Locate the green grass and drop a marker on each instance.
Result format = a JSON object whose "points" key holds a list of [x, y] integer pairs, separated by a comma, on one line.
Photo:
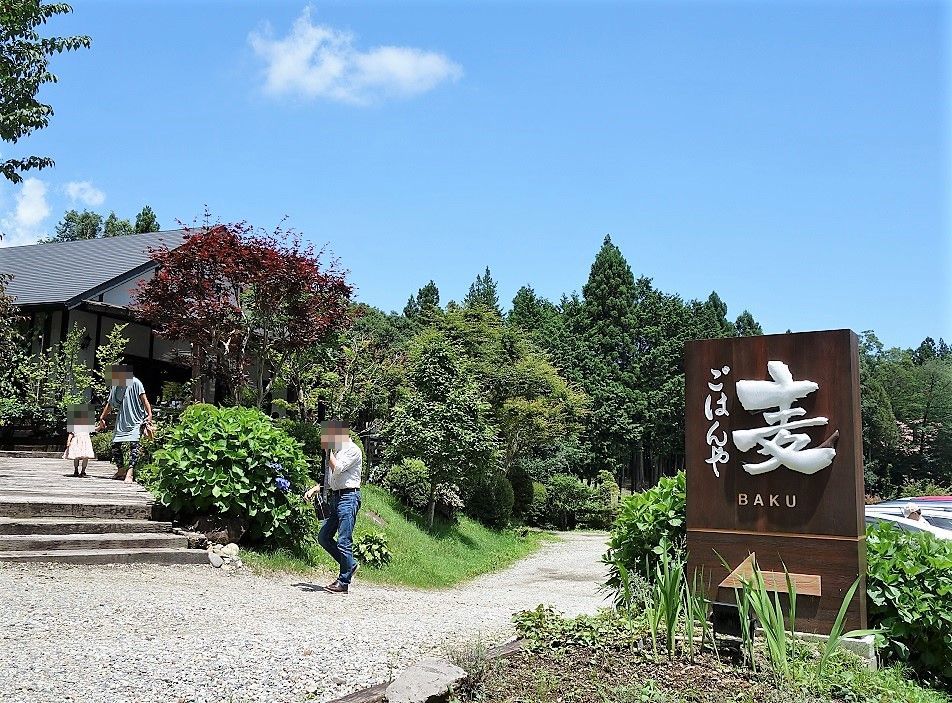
{"points": [[450, 554]]}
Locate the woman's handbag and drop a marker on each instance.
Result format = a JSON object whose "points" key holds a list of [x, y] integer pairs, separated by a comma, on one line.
{"points": [[148, 430]]}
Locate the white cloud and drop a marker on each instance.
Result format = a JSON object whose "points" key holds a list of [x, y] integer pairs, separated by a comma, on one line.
{"points": [[317, 61], [22, 225], [85, 192]]}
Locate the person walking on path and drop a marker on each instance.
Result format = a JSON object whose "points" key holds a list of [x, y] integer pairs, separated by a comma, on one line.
{"points": [[79, 446], [127, 397], [345, 463]]}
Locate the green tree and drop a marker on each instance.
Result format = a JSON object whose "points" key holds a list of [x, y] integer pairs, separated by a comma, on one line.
{"points": [[115, 227], [483, 292], [24, 57], [424, 305], [747, 326], [663, 326], [440, 418], [607, 331], [146, 221], [710, 318], [77, 225]]}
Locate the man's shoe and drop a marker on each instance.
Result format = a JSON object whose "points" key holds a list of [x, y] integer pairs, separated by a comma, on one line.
{"points": [[336, 587]]}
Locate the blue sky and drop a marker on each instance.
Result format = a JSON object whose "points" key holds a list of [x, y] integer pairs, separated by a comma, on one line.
{"points": [[794, 157]]}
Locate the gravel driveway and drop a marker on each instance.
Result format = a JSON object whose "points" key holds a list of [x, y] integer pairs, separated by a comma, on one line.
{"points": [[193, 634]]}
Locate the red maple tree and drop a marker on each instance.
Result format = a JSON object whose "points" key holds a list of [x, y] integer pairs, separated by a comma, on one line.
{"points": [[244, 299]]}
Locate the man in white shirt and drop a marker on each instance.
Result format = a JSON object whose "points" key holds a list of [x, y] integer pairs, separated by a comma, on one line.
{"points": [[345, 464]]}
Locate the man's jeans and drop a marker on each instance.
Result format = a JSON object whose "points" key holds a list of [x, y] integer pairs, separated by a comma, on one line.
{"points": [[344, 509]]}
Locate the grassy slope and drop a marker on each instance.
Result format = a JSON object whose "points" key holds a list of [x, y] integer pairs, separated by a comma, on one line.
{"points": [[450, 554]]}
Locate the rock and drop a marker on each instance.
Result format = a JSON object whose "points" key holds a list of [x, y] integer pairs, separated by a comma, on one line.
{"points": [[230, 550], [215, 560], [376, 519], [217, 529], [429, 681]]}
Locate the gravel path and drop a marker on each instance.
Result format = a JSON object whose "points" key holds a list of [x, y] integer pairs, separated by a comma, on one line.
{"points": [[193, 634]]}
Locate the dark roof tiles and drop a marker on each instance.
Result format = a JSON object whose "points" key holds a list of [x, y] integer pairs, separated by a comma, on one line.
{"points": [[62, 272]]}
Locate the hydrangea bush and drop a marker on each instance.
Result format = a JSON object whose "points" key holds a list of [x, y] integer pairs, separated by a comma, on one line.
{"points": [[234, 463]]}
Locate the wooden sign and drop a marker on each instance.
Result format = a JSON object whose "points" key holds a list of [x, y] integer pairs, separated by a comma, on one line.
{"points": [[773, 454]]}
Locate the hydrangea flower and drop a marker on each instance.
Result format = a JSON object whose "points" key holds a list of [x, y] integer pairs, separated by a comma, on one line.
{"points": [[275, 466], [283, 484]]}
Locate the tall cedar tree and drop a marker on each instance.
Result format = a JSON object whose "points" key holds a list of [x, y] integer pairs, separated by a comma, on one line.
{"points": [[609, 363], [245, 300], [24, 56], [424, 305], [747, 326], [483, 292]]}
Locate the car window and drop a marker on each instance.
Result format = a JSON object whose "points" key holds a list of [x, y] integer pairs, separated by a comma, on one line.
{"points": [[943, 522]]}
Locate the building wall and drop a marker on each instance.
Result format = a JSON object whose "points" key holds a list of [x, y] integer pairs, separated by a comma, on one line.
{"points": [[122, 293]]}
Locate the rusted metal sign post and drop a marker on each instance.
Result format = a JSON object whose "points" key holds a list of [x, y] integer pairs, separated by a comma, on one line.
{"points": [[774, 464]]}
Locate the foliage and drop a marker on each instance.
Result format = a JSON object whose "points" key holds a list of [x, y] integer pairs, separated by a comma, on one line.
{"points": [[607, 328], [116, 227], [11, 341], [484, 293], [907, 413], [102, 445], [909, 582], [470, 656], [492, 501], [440, 418], [44, 385], [521, 483], [25, 56], [545, 628], [535, 512], [747, 326], [424, 305], [450, 553], [566, 498], [409, 481], [646, 520], [371, 550], [238, 294], [226, 462], [146, 221], [76, 226]]}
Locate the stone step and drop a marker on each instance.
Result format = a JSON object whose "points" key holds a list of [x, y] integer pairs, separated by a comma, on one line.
{"points": [[103, 540], [16, 507], [69, 526], [109, 556], [29, 454]]}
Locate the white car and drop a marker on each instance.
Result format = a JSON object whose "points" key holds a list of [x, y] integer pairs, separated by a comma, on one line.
{"points": [[874, 515], [936, 517]]}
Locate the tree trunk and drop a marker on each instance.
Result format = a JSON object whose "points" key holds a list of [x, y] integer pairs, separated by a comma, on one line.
{"points": [[432, 505], [641, 466], [198, 377]]}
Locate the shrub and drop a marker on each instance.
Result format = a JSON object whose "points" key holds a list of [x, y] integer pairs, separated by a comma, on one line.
{"points": [[409, 481], [535, 513], [645, 520], [909, 582], [568, 501], [491, 500], [371, 549], [601, 509], [234, 463], [102, 445], [521, 488]]}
